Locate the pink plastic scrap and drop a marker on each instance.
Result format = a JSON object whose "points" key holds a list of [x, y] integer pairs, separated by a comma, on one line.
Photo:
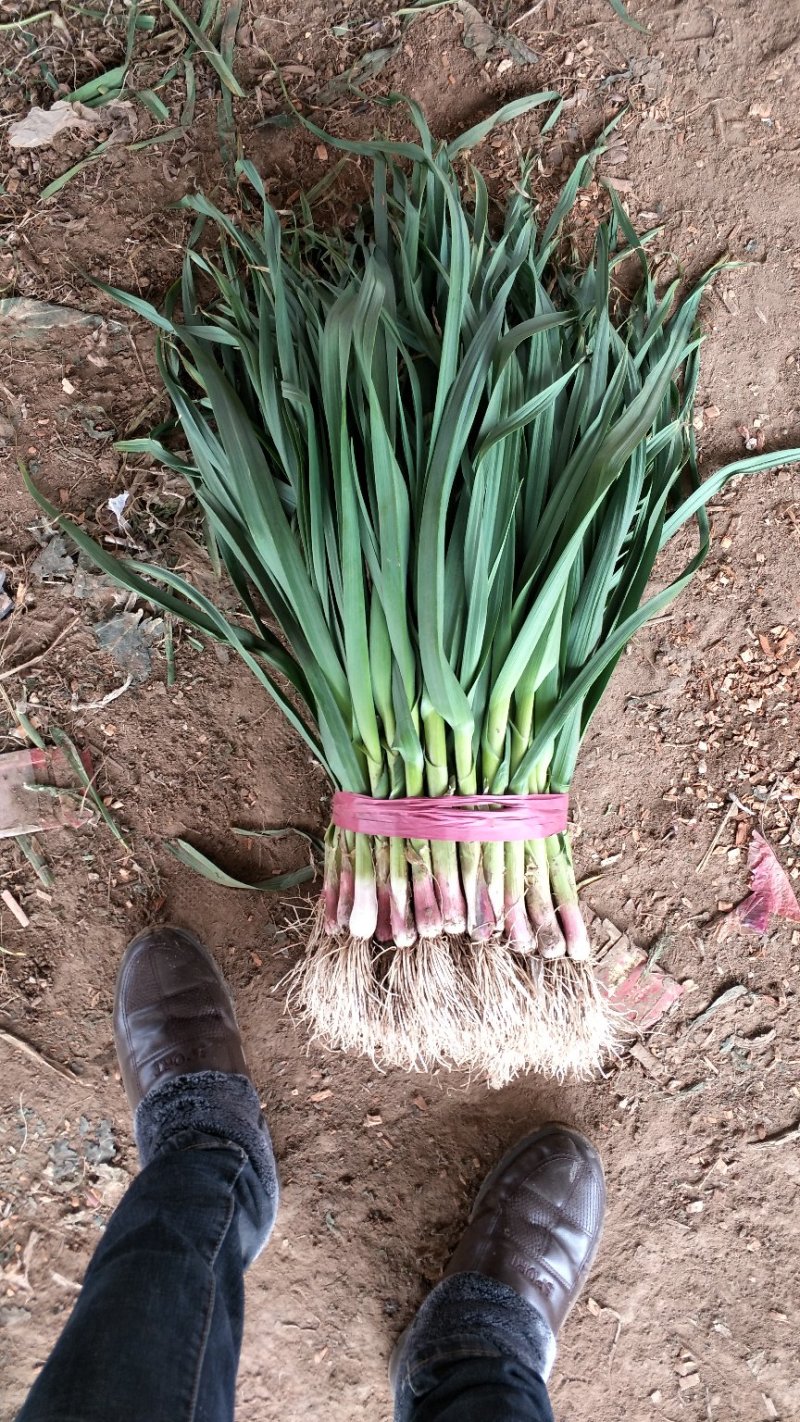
{"points": [[771, 889], [22, 809], [641, 994]]}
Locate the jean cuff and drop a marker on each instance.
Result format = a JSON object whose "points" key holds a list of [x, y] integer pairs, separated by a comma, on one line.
{"points": [[208, 1103], [469, 1316]]}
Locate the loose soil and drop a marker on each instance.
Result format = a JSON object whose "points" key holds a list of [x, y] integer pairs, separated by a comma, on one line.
{"points": [[692, 1310]]}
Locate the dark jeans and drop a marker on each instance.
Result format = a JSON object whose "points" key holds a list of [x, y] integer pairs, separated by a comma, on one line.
{"points": [[156, 1332]]}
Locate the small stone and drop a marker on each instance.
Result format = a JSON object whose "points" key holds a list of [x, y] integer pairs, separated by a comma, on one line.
{"points": [[684, 1368]]}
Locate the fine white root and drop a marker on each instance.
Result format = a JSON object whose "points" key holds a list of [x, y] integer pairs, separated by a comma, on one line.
{"points": [[584, 1027], [334, 989], [449, 1002], [428, 1013], [568, 1034]]}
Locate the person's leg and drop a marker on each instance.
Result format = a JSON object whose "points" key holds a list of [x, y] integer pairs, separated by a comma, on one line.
{"points": [[156, 1330], [483, 1343], [476, 1351]]}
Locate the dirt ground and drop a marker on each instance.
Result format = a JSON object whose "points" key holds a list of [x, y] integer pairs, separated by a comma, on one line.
{"points": [[693, 1310]]}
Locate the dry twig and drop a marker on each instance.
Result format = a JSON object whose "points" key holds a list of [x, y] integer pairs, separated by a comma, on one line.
{"points": [[22, 1046], [784, 1137], [33, 661]]}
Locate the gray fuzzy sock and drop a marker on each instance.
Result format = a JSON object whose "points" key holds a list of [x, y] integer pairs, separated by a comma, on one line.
{"points": [[475, 1314], [210, 1103]]}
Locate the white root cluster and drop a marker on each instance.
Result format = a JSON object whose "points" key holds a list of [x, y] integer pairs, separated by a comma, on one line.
{"points": [[452, 1002]]}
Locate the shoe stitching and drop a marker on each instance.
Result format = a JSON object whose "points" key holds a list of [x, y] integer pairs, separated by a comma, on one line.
{"points": [[545, 1267], [531, 1189], [209, 1011]]}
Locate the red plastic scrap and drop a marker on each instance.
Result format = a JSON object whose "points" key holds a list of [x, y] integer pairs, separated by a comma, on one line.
{"points": [[22, 810], [640, 993], [771, 888]]}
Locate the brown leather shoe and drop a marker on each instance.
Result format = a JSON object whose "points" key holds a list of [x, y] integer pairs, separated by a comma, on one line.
{"points": [[172, 1012], [537, 1221]]}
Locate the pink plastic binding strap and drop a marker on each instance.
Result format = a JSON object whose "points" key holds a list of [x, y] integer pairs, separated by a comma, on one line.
{"points": [[462, 819]]}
